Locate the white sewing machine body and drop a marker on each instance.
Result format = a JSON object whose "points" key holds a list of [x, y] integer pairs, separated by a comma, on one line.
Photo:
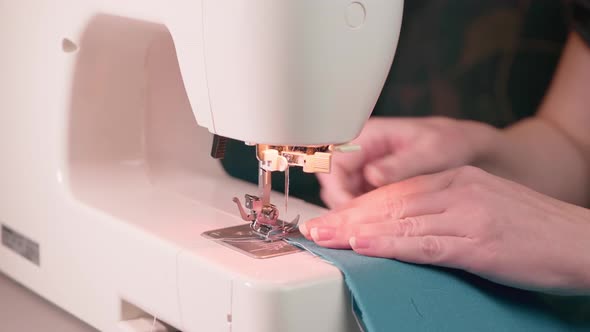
{"points": [[106, 183]]}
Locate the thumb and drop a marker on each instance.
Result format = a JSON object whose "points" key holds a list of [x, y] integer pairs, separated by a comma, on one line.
{"points": [[394, 168]]}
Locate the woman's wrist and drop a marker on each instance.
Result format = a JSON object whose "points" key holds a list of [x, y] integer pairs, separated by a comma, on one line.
{"points": [[487, 143]]}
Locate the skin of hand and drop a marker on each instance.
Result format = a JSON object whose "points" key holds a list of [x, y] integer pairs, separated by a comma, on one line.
{"points": [[531, 152], [395, 149], [468, 219]]}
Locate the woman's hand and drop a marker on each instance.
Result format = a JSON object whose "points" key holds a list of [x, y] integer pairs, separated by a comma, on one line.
{"points": [[468, 219], [394, 149]]}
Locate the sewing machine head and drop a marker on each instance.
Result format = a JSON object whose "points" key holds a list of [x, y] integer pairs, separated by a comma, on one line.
{"points": [[299, 90], [107, 186]]}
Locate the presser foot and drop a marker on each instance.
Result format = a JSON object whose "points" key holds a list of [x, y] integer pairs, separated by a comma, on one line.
{"points": [[264, 219], [275, 232], [243, 239]]}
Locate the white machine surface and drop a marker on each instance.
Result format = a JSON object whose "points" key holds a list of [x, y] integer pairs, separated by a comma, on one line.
{"points": [[106, 183], [22, 310]]}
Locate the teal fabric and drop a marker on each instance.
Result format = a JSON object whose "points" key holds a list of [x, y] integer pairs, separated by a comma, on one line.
{"points": [[394, 296]]}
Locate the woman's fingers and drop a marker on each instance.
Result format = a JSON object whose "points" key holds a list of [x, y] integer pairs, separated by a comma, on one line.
{"points": [[382, 209], [449, 251], [397, 167], [339, 236], [415, 185]]}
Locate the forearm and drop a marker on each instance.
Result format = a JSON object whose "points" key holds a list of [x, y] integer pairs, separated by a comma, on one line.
{"points": [[579, 249], [536, 154], [585, 266], [551, 151]]}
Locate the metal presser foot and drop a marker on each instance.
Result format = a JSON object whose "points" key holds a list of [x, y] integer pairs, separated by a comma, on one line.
{"points": [[260, 237], [264, 219]]}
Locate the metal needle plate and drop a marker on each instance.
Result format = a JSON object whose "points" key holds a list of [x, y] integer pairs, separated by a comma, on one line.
{"points": [[241, 238]]}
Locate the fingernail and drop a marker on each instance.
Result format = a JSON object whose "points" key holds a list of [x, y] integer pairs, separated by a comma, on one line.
{"points": [[303, 230], [322, 233], [359, 243]]}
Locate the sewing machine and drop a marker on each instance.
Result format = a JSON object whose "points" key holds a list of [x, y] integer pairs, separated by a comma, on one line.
{"points": [[110, 204]]}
